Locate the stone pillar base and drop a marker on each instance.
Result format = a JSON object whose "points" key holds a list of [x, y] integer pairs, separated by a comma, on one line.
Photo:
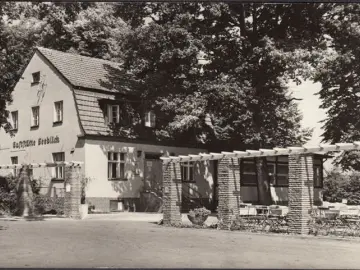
{"points": [[301, 193], [229, 191], [72, 196], [172, 188]]}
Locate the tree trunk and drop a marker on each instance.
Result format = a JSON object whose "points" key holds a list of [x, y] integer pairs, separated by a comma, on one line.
{"points": [[264, 192]]}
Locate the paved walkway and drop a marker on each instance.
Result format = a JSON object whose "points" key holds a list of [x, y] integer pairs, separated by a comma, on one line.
{"points": [[115, 243]]}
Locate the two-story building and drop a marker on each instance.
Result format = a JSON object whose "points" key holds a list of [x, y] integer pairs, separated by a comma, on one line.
{"points": [[63, 110]]}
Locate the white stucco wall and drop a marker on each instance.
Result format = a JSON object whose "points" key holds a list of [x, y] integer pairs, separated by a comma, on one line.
{"points": [[25, 96], [96, 166]]}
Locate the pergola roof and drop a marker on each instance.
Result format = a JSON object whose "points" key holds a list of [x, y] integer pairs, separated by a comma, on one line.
{"points": [[316, 149]]}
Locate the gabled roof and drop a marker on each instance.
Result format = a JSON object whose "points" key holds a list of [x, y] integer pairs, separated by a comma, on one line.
{"points": [[87, 76], [83, 71]]}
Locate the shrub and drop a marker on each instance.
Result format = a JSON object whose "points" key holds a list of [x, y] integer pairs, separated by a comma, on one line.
{"points": [[48, 205], [199, 215], [8, 196]]}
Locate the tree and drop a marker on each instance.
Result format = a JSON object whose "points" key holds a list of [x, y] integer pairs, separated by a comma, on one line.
{"points": [[337, 70], [91, 29], [238, 96], [240, 93], [16, 42]]}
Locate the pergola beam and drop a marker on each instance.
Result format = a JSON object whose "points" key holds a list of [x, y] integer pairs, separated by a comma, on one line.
{"points": [[276, 151], [42, 165]]}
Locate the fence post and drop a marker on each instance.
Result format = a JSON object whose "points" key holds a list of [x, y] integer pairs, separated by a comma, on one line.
{"points": [[172, 188], [301, 192], [24, 193], [72, 196], [229, 191]]}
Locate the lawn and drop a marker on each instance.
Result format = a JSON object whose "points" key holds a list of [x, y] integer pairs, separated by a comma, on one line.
{"points": [[113, 243]]}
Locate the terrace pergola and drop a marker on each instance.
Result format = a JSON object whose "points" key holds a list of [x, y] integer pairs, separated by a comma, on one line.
{"points": [[72, 192], [301, 182]]}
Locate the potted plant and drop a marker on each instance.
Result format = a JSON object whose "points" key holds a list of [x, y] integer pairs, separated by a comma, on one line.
{"points": [[198, 216]]}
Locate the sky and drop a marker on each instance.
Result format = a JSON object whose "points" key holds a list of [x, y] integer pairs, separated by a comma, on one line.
{"points": [[312, 114], [309, 107]]}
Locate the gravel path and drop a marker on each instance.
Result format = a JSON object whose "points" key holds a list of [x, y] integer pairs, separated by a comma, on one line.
{"points": [[113, 243]]}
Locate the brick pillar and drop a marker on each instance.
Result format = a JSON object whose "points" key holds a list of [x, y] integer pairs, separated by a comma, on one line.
{"points": [[24, 193], [73, 197], [229, 191], [172, 187], [301, 192]]}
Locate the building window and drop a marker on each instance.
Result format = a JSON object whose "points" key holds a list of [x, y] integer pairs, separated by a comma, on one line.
{"points": [[59, 170], [116, 166], [248, 173], [150, 119], [272, 172], [58, 111], [35, 112], [187, 171], [15, 120], [282, 174], [318, 177], [113, 114], [36, 77], [14, 160]]}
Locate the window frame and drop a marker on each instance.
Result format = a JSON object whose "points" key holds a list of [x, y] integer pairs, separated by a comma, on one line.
{"points": [[242, 172], [15, 171], [56, 120], [12, 119], [35, 122], [187, 169], [272, 163], [59, 170], [277, 174], [36, 75], [150, 119], [275, 183], [120, 166], [110, 118]]}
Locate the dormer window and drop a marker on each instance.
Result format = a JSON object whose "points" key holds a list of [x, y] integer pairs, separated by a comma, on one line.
{"points": [[36, 77], [113, 114], [150, 119]]}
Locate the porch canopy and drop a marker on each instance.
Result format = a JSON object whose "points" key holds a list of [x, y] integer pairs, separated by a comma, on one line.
{"points": [[300, 190]]}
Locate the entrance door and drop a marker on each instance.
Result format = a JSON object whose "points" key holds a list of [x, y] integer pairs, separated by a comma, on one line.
{"points": [[153, 173]]}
